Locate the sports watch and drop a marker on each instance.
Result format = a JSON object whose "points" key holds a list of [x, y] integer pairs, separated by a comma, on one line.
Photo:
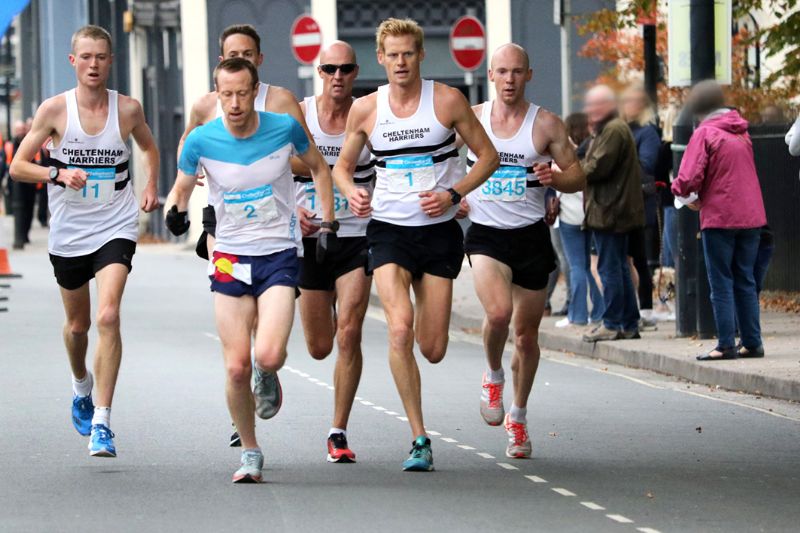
{"points": [[53, 175], [333, 226], [455, 197]]}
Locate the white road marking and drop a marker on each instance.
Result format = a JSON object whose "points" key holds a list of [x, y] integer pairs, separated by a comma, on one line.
{"points": [[211, 336], [432, 432], [322, 384], [537, 479], [593, 506], [402, 419], [365, 402], [313, 380], [357, 398], [330, 387], [391, 413], [507, 466], [465, 447], [303, 375], [738, 404], [623, 376], [448, 439], [647, 530], [619, 518], [564, 492], [378, 408], [485, 455]]}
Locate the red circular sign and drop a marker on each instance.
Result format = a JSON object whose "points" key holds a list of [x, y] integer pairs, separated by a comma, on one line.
{"points": [[468, 43], [306, 39]]}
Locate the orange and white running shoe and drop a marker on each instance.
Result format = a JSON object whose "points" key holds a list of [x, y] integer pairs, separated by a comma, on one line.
{"points": [[519, 445], [338, 452], [492, 402]]}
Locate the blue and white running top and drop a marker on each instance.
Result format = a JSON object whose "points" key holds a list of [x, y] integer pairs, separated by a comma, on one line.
{"points": [[250, 182]]}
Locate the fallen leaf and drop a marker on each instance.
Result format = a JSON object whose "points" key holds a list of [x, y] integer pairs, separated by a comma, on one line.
{"points": [[553, 434], [698, 429], [650, 495]]}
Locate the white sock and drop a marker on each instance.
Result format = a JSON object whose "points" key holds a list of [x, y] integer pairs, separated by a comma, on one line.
{"points": [[518, 414], [496, 376], [102, 415], [83, 387], [337, 430]]}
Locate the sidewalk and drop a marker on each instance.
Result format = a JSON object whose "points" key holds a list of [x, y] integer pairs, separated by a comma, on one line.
{"points": [[777, 375]]}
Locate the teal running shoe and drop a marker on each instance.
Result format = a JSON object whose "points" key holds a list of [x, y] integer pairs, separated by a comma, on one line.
{"points": [[421, 459], [267, 393], [82, 412], [250, 470], [101, 443]]}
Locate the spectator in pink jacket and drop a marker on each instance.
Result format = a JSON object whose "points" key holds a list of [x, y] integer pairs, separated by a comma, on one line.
{"points": [[718, 167]]}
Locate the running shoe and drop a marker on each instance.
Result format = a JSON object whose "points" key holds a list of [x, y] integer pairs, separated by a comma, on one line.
{"points": [[421, 459], [519, 445], [101, 443], [250, 471], [82, 412], [267, 393], [492, 401], [338, 452]]}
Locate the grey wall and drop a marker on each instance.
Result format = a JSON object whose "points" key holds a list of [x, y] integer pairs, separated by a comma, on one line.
{"points": [[273, 20], [58, 21]]}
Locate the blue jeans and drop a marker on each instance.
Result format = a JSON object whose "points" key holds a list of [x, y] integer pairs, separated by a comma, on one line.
{"points": [[576, 244], [621, 310], [730, 261], [669, 238]]}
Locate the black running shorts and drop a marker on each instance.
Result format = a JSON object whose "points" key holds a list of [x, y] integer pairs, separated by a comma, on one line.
{"points": [[73, 272], [352, 255]]}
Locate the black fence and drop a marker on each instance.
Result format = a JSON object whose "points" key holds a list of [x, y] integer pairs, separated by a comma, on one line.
{"points": [[779, 174]]}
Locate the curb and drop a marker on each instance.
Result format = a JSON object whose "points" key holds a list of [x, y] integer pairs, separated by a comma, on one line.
{"points": [[640, 357]]}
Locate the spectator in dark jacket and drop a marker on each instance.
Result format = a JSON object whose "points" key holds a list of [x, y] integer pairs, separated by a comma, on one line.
{"points": [[614, 207], [718, 166]]}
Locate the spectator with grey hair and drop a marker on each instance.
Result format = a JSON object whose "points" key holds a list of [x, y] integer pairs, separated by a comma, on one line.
{"points": [[718, 167]]}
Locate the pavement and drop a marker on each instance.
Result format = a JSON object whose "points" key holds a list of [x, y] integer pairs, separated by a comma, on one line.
{"points": [[616, 449]]}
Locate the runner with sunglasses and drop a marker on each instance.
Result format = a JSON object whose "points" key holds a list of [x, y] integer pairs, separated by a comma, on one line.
{"points": [[334, 292], [242, 40], [415, 244]]}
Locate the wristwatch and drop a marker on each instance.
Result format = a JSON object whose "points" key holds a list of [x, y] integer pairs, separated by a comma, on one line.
{"points": [[53, 174], [333, 226], [455, 197]]}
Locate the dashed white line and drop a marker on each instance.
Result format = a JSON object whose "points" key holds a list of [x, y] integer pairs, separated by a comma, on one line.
{"points": [[448, 439], [313, 380], [391, 413], [357, 398], [465, 447], [365, 402], [647, 530], [378, 408], [330, 387], [402, 419], [593, 506], [211, 336], [564, 492], [537, 479], [485, 455], [303, 375], [619, 518], [433, 433], [321, 384], [507, 466]]}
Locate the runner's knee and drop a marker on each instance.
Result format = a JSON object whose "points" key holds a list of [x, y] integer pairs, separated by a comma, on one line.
{"points": [[401, 335], [434, 350], [78, 326], [498, 318], [108, 318], [319, 348], [270, 359], [239, 372], [527, 342], [348, 336]]}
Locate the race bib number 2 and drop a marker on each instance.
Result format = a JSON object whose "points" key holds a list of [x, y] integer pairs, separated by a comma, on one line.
{"points": [[253, 206], [413, 173], [507, 184], [99, 188]]}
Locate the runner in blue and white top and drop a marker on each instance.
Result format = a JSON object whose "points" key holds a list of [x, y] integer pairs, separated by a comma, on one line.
{"points": [[508, 243], [254, 266]]}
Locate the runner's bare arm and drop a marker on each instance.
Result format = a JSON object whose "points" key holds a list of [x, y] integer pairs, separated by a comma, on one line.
{"points": [[282, 100], [354, 140], [571, 177], [477, 110], [298, 167], [181, 192], [132, 110], [321, 173]]}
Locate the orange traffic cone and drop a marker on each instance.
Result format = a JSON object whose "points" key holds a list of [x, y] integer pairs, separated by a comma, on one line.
{"points": [[5, 266]]}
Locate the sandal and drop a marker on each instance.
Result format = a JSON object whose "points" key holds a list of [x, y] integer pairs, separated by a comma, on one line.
{"points": [[725, 354]]}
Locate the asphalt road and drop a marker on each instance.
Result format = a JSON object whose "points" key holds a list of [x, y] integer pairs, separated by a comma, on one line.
{"points": [[614, 449]]}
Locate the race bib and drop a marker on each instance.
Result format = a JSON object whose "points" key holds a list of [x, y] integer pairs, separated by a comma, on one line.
{"points": [[413, 173], [99, 188], [507, 184], [340, 204], [253, 206]]}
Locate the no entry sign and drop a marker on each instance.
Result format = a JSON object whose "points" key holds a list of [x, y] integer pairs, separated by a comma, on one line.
{"points": [[306, 39], [468, 43]]}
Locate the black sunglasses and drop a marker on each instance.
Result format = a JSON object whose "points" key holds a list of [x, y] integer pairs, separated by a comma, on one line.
{"points": [[346, 68]]}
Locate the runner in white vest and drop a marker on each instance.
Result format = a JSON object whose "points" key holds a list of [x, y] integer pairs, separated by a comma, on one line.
{"points": [[340, 282], [93, 229], [508, 243], [238, 40], [410, 126]]}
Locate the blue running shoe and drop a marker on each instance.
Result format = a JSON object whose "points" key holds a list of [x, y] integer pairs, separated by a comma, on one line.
{"points": [[82, 412], [101, 443], [421, 459]]}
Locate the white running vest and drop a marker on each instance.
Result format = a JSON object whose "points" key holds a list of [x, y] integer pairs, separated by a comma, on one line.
{"points": [[364, 176], [512, 197], [260, 103], [105, 209], [412, 155]]}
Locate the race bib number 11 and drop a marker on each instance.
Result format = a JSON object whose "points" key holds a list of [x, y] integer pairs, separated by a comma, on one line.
{"points": [[414, 173], [507, 184], [99, 188], [253, 206]]}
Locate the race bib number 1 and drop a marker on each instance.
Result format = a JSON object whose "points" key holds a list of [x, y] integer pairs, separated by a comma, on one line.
{"points": [[99, 188], [414, 173], [340, 204], [507, 184], [253, 206]]}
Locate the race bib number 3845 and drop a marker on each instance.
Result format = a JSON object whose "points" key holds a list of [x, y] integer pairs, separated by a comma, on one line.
{"points": [[507, 184], [99, 188], [253, 206], [414, 173]]}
